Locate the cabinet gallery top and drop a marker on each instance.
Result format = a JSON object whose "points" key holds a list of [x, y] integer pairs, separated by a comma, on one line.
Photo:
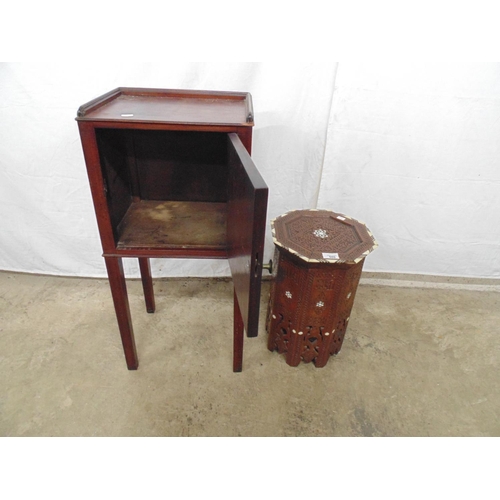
{"points": [[170, 106]]}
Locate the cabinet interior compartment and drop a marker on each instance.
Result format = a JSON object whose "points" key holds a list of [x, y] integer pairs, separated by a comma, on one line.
{"points": [[165, 189]]}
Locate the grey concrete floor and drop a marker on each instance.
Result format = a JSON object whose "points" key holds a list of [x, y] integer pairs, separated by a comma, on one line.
{"points": [[416, 362]]}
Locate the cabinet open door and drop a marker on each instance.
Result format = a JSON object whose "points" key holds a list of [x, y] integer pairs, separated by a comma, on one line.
{"points": [[246, 223]]}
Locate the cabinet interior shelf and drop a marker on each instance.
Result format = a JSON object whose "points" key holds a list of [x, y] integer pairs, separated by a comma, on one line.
{"points": [[173, 224]]}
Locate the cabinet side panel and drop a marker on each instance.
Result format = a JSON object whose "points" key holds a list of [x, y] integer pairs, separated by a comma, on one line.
{"points": [[97, 186], [114, 150]]}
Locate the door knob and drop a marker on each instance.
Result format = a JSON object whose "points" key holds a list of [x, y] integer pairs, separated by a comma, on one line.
{"points": [[269, 267]]}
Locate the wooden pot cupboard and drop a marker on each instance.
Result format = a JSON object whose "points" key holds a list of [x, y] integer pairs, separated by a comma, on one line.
{"points": [[171, 177]]}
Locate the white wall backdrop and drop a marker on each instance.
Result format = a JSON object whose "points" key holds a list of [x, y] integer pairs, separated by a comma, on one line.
{"points": [[410, 149], [413, 150]]}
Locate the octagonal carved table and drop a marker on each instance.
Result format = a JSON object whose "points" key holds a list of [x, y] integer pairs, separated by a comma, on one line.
{"points": [[320, 256]]}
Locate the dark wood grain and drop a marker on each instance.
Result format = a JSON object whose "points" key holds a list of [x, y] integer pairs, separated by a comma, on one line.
{"points": [[122, 309], [147, 284], [96, 103], [246, 218], [174, 106], [97, 185], [165, 167], [238, 335], [114, 155], [181, 165], [310, 305]]}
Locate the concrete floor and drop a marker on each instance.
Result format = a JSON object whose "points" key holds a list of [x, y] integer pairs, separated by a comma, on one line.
{"points": [[417, 361]]}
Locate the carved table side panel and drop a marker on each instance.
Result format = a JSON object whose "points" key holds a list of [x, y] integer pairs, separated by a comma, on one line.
{"points": [[309, 308]]}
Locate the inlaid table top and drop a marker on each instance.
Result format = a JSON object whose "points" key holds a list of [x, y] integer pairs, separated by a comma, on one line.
{"points": [[323, 236]]}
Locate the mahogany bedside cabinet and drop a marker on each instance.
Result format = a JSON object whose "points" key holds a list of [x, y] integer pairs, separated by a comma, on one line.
{"points": [[171, 176]]}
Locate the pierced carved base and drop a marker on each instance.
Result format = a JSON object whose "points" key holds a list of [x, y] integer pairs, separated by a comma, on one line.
{"points": [[309, 309]]}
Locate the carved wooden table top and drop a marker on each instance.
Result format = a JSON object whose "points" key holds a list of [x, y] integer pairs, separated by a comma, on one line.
{"points": [[323, 236]]}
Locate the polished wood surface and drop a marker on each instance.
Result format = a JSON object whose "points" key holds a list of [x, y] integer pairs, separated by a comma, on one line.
{"points": [[97, 185], [238, 335], [171, 176], [147, 284], [246, 216], [174, 106], [120, 300]]}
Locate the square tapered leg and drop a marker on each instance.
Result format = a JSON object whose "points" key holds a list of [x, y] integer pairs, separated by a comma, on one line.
{"points": [[147, 284], [118, 287]]}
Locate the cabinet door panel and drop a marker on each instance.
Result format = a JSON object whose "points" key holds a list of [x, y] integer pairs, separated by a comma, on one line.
{"points": [[246, 225]]}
